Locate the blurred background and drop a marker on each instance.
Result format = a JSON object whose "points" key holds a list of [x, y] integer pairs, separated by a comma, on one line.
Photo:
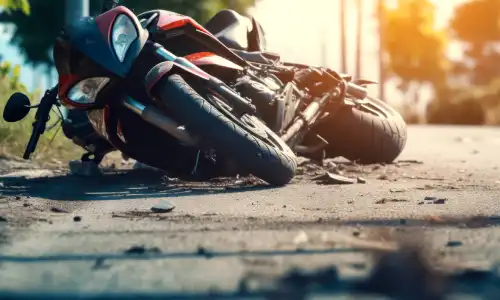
{"points": [[437, 61]]}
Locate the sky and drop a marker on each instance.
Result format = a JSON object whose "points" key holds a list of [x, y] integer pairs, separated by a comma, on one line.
{"points": [[294, 29]]}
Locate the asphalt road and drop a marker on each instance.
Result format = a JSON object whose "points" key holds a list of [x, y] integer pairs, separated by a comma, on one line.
{"points": [[220, 233]]}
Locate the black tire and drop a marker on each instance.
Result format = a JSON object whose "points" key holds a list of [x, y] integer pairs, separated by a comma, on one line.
{"points": [[273, 162], [369, 134]]}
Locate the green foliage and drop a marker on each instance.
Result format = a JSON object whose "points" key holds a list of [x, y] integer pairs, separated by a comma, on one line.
{"points": [[415, 49], [21, 5], [461, 107], [14, 136], [475, 23], [34, 34]]}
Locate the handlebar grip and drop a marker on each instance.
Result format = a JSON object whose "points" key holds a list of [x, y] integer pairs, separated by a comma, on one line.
{"points": [[33, 142], [356, 90]]}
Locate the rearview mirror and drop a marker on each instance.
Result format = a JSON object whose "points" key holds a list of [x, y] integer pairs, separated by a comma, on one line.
{"points": [[17, 108]]}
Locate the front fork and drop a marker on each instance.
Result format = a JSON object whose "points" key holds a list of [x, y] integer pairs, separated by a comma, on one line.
{"points": [[214, 84], [156, 117]]}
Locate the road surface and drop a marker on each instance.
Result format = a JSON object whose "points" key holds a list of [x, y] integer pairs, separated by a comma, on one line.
{"points": [[65, 233]]}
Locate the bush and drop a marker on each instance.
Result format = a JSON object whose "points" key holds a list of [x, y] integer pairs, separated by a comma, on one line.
{"points": [[14, 136], [459, 107]]}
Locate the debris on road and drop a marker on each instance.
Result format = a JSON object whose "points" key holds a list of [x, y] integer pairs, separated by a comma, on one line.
{"points": [[135, 250], [387, 200], [301, 238], [330, 165], [3, 219], [454, 244], [77, 218], [202, 251], [58, 210], [100, 264], [440, 201], [361, 180], [330, 178], [170, 180], [383, 177], [423, 178], [435, 200], [163, 206], [410, 161]]}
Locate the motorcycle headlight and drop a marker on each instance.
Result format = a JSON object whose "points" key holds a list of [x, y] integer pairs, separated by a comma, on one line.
{"points": [[86, 91], [123, 35]]}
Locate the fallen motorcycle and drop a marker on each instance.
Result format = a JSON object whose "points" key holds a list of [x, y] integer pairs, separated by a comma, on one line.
{"points": [[151, 104], [316, 111]]}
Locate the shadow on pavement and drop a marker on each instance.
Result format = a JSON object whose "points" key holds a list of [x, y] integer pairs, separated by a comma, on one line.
{"points": [[404, 274], [116, 185], [155, 254]]}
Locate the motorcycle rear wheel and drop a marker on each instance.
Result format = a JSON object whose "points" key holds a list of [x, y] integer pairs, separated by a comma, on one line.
{"points": [[247, 141], [367, 134]]}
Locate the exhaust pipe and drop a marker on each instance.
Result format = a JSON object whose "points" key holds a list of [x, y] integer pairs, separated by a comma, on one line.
{"points": [[157, 118]]}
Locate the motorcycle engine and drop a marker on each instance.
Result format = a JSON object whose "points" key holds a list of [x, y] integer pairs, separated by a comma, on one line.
{"points": [[262, 95]]}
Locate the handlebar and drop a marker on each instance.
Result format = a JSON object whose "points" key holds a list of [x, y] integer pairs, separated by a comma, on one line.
{"points": [[41, 119], [356, 91]]}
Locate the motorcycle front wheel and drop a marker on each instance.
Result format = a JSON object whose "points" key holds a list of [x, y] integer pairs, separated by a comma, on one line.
{"points": [[244, 139]]}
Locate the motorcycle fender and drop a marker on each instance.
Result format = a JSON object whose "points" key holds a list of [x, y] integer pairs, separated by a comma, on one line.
{"points": [[165, 69]]}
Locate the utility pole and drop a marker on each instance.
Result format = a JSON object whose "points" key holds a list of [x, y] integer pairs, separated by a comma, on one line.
{"points": [[343, 46], [359, 31], [75, 9], [381, 34], [324, 47]]}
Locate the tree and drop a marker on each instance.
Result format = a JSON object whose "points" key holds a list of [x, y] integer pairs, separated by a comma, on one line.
{"points": [[414, 49], [34, 34], [476, 23], [21, 5]]}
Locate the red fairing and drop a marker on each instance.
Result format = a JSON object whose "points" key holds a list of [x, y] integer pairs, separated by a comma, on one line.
{"points": [[170, 20], [66, 82], [208, 58], [105, 20]]}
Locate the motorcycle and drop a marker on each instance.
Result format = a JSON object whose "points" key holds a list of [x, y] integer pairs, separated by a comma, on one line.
{"points": [[151, 104], [316, 111]]}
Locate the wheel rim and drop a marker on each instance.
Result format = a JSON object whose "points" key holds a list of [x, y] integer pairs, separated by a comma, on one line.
{"points": [[260, 130], [249, 123]]}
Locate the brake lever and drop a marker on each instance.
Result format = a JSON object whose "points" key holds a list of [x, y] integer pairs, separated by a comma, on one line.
{"points": [[41, 118]]}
